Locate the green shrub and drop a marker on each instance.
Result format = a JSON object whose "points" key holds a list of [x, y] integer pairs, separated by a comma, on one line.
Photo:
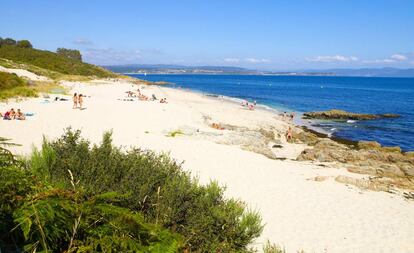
{"points": [[24, 44], [156, 186], [36, 216], [272, 248], [12, 86], [70, 53], [9, 80]]}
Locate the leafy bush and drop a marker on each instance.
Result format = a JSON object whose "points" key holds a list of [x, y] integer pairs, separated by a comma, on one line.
{"points": [[154, 185], [36, 216], [24, 44]]}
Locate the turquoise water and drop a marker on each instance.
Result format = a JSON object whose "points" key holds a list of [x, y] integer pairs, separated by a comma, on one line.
{"points": [[312, 93]]}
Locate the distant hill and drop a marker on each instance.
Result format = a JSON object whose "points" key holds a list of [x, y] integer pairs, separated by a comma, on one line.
{"points": [[180, 69], [372, 72], [51, 61], [65, 64]]}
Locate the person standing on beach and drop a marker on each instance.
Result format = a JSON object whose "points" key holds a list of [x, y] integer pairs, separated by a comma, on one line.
{"points": [[80, 101], [289, 134], [75, 101]]}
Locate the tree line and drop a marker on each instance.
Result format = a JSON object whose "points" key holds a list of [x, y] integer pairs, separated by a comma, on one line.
{"points": [[69, 53]]}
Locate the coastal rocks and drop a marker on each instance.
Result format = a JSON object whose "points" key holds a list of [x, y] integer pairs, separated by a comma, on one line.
{"points": [[257, 141], [344, 115], [365, 184], [368, 145], [305, 137], [368, 158], [409, 155]]}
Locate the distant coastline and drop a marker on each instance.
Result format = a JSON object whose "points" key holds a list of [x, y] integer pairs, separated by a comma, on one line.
{"points": [[161, 69]]}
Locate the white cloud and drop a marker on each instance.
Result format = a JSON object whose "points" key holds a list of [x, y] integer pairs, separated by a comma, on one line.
{"points": [[111, 56], [232, 60], [253, 60], [82, 41], [399, 57], [380, 61], [333, 58]]}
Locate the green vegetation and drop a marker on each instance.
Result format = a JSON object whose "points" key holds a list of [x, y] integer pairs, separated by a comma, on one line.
{"points": [[24, 44], [70, 53], [65, 61], [7, 41], [175, 133], [12, 86], [51, 61], [72, 196]]}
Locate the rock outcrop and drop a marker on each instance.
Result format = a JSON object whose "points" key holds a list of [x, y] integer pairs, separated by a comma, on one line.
{"points": [[368, 158], [344, 115]]}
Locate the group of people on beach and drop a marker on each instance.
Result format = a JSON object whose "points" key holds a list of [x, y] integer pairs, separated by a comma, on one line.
{"points": [[77, 101], [143, 97], [288, 116], [12, 114], [248, 105]]}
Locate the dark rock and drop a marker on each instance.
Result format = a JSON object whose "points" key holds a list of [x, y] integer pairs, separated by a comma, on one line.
{"points": [[344, 115]]}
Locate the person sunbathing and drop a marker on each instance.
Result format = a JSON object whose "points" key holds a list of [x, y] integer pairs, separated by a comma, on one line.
{"points": [[217, 126], [20, 115], [163, 101], [6, 116], [143, 97], [9, 115]]}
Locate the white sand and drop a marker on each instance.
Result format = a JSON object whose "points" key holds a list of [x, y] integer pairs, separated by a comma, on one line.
{"points": [[25, 74], [299, 213]]}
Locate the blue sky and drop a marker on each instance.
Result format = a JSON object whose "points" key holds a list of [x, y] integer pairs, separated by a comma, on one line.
{"points": [[277, 35]]}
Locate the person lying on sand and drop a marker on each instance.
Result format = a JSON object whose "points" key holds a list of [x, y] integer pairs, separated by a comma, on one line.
{"points": [[251, 107], [143, 97], [163, 101], [61, 99], [217, 126], [20, 115]]}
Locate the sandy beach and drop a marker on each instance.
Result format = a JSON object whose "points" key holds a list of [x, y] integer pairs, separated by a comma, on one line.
{"points": [[299, 212]]}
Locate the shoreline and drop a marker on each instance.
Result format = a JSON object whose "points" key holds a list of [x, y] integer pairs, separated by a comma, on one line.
{"points": [[359, 131], [298, 121]]}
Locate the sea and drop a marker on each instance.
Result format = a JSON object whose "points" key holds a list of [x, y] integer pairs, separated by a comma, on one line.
{"points": [[318, 93]]}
